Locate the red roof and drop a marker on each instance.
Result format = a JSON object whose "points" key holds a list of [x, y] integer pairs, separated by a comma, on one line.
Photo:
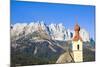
{"points": [[76, 38], [77, 35], [77, 27]]}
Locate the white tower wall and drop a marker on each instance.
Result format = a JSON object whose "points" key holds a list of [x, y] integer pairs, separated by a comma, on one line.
{"points": [[77, 48]]}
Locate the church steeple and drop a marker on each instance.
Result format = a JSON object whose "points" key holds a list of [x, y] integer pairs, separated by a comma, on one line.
{"points": [[77, 45], [77, 29]]}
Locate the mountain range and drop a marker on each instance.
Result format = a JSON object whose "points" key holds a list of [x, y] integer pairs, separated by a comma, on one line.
{"points": [[39, 43], [54, 31]]}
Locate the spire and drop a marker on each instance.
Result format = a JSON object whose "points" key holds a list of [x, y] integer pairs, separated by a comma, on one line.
{"points": [[77, 29]]}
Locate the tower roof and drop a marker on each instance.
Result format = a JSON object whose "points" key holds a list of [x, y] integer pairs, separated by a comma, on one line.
{"points": [[76, 38], [77, 35], [77, 27]]}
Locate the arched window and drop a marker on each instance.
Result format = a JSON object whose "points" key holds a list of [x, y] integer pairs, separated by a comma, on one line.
{"points": [[78, 47]]}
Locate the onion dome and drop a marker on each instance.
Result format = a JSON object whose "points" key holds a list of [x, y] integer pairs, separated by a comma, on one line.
{"points": [[77, 27]]}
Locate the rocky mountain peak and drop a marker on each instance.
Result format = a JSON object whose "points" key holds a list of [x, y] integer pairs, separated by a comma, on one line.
{"points": [[55, 31]]}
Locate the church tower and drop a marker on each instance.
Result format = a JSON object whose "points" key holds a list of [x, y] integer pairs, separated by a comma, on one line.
{"points": [[77, 45]]}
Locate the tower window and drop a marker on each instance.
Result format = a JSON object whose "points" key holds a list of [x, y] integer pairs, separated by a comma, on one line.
{"points": [[78, 47]]}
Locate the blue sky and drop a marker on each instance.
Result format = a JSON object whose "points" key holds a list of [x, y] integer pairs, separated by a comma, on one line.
{"points": [[66, 14]]}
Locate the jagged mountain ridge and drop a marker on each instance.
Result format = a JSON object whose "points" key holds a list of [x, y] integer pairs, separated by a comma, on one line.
{"points": [[54, 31], [42, 43]]}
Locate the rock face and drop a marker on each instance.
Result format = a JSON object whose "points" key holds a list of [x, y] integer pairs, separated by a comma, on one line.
{"points": [[65, 58], [38, 43], [54, 31], [85, 35]]}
